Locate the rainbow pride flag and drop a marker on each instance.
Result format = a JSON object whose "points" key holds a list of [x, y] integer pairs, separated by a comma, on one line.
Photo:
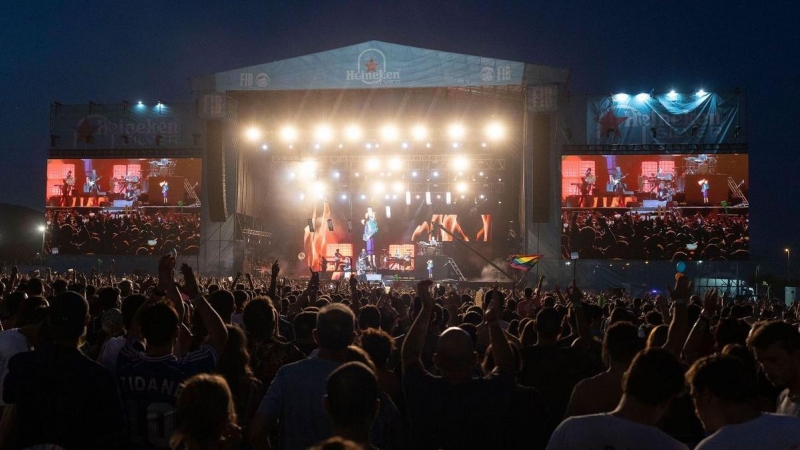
{"points": [[523, 262]]}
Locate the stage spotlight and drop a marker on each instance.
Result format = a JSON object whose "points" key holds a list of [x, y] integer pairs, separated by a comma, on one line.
{"points": [[408, 198], [389, 132], [428, 199], [672, 95], [448, 198], [319, 188], [414, 173], [456, 131], [290, 175], [621, 97], [428, 145], [395, 164], [419, 132], [373, 164], [363, 197], [308, 169], [480, 173], [387, 197], [483, 144], [701, 93], [344, 196], [316, 146], [404, 145], [435, 173], [253, 134], [330, 225], [368, 145], [461, 187], [460, 163], [495, 131], [482, 196], [455, 144], [140, 103], [323, 133], [642, 97], [302, 196], [311, 225], [352, 133], [388, 212], [398, 186], [438, 196], [336, 174], [379, 187], [288, 134]]}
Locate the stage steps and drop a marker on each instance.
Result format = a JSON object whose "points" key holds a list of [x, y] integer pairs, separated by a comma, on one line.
{"points": [[738, 192], [456, 269]]}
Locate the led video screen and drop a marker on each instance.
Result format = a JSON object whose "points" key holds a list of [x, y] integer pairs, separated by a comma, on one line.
{"points": [[123, 206], [660, 207]]}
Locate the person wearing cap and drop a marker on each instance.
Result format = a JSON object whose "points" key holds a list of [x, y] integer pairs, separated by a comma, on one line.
{"points": [[56, 394]]}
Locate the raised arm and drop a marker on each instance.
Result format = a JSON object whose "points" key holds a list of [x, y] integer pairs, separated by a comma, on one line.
{"points": [[217, 333], [501, 349], [415, 338], [678, 327], [273, 284]]}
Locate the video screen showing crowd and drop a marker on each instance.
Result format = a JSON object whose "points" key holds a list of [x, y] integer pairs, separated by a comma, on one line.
{"points": [[123, 206], [403, 246], [673, 207]]}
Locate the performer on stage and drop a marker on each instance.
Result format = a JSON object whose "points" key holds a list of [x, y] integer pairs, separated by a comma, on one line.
{"points": [[164, 190], [370, 228], [363, 261], [587, 183], [430, 268], [337, 260], [704, 188], [67, 188], [94, 188]]}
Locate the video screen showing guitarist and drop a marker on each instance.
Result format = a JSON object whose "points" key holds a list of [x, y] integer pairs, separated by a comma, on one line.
{"points": [[370, 228], [616, 179], [92, 181]]}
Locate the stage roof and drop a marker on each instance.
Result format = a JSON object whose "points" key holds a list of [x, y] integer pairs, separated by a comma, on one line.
{"points": [[377, 64]]}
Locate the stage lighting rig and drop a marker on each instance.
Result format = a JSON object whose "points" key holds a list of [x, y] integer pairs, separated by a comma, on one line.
{"points": [[289, 134], [353, 133]]}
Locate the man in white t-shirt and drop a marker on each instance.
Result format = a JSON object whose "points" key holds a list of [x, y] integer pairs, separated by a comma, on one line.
{"points": [[654, 378], [777, 348], [32, 312], [723, 389]]}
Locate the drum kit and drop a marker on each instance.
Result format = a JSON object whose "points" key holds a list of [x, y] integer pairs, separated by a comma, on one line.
{"points": [[700, 164], [427, 248], [162, 167]]}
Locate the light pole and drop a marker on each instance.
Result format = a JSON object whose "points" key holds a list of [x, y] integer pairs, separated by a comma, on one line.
{"points": [[787, 265], [43, 230]]}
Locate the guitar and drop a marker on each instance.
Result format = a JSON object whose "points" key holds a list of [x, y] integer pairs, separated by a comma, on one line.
{"points": [[92, 183], [615, 181]]}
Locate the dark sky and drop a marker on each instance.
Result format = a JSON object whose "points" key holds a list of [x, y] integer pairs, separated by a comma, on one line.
{"points": [[77, 51]]}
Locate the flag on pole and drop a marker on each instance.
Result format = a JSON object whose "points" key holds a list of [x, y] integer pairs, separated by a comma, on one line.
{"points": [[523, 262]]}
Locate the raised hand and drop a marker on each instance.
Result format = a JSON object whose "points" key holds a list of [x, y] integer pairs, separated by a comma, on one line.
{"points": [[495, 309], [575, 294], [682, 289], [276, 268], [424, 292], [711, 301], [190, 281], [166, 271]]}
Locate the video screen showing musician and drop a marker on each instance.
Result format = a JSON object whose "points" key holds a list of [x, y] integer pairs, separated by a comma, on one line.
{"points": [[370, 228], [617, 178], [429, 266], [587, 185], [164, 191], [93, 183], [337, 260], [67, 188], [705, 186]]}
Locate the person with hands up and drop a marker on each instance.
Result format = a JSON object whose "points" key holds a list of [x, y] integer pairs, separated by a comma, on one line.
{"points": [[149, 359], [449, 411]]}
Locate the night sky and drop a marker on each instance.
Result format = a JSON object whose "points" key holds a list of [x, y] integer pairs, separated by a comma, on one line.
{"points": [[79, 51]]}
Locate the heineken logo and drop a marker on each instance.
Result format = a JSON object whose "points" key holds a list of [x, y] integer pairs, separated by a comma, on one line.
{"points": [[373, 69]]}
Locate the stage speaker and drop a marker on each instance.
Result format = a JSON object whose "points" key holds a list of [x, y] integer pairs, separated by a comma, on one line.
{"points": [[573, 201], [215, 174], [537, 135]]}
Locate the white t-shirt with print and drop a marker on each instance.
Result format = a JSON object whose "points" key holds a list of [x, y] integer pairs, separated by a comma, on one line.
{"points": [[767, 432], [604, 431]]}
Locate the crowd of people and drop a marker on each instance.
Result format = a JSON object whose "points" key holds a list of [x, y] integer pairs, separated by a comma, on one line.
{"points": [[127, 233], [185, 362], [665, 236]]}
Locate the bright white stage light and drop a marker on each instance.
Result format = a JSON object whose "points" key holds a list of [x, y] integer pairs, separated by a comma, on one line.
{"points": [[289, 134], [352, 133], [456, 131], [642, 97], [368, 145], [428, 145], [461, 187], [481, 196], [448, 198], [672, 95], [395, 164], [460, 163], [404, 145], [264, 147], [414, 173], [455, 144], [389, 133], [373, 164], [308, 169], [363, 197], [428, 199], [379, 187], [435, 173], [253, 134], [323, 133], [701, 93], [408, 198], [419, 132], [336, 174], [398, 187], [291, 175], [621, 97], [302, 196], [388, 212], [316, 146], [344, 196], [318, 188], [495, 131]]}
